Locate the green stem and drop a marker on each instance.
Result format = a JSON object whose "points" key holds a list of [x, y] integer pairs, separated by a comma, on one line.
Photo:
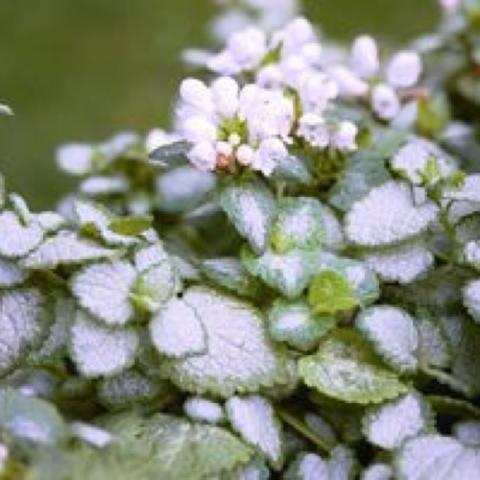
{"points": [[304, 430]]}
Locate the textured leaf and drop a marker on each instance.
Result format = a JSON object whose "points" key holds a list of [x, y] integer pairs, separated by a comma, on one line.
{"points": [[182, 189], [239, 357], [437, 457], [309, 466], [289, 273], [170, 154], [378, 471], [299, 224], [433, 348], [389, 425], [469, 191], [471, 299], [293, 169], [91, 434], [18, 239], [400, 263], [103, 290], [99, 351], [388, 214], [21, 324], [66, 248], [296, 324], [177, 331], [468, 432], [30, 419], [330, 292], [11, 274], [251, 208], [131, 225], [344, 368], [230, 273], [254, 419], [393, 335], [203, 410]]}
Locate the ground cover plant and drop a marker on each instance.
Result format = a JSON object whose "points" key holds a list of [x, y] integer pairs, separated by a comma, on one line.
{"points": [[284, 285]]}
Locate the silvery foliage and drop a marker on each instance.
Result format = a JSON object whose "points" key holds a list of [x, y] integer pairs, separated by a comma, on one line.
{"points": [[289, 275]]}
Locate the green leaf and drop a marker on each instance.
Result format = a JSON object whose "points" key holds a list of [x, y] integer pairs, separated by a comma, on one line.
{"points": [[230, 273], [99, 351], [171, 155], [296, 324], [437, 457], [289, 273], [433, 114], [299, 224], [131, 225], [103, 290], [30, 419], [346, 369], [254, 419], [330, 293], [251, 208], [390, 424], [293, 169], [393, 335], [239, 357]]}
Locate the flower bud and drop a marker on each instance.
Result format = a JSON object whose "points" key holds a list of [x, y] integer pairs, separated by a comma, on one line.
{"points": [[404, 69]]}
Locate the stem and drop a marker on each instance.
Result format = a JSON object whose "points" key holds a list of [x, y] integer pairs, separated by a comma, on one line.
{"points": [[304, 430]]}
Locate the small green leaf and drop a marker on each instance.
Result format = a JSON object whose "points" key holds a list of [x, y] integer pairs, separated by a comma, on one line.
{"points": [[330, 293], [251, 208], [346, 369], [132, 226], [171, 155]]}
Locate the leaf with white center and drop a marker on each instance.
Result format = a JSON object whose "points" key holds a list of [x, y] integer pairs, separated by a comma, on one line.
{"points": [[334, 236], [128, 388], [51, 222], [378, 471], [150, 256], [390, 424], [468, 432], [99, 351], [469, 191], [174, 449], [21, 324], [346, 369], [91, 434], [103, 290], [177, 331], [251, 208], [299, 224], [18, 239], [183, 188], [433, 348], [66, 248], [239, 357], [393, 335], [293, 169], [95, 221], [362, 283], [254, 470], [309, 466], [155, 286], [104, 185], [203, 410], [388, 214], [289, 273], [254, 419], [11, 274], [471, 254], [438, 457], [296, 324], [471, 299], [230, 274], [30, 419], [400, 263]]}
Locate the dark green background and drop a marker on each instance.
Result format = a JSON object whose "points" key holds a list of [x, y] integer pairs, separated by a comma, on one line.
{"points": [[83, 69]]}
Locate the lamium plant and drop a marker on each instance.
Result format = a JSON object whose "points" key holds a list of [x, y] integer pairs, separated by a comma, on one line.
{"points": [[284, 285]]}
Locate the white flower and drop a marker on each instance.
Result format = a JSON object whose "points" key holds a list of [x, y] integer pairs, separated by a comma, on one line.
{"points": [[224, 93], [364, 58], [314, 130], [298, 33], [245, 154], [269, 113], [315, 91], [349, 84], [203, 156], [269, 153], [385, 102], [404, 69], [270, 76], [344, 137], [196, 97], [198, 129]]}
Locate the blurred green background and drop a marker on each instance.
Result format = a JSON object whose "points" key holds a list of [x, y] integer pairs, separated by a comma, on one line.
{"points": [[80, 70]]}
